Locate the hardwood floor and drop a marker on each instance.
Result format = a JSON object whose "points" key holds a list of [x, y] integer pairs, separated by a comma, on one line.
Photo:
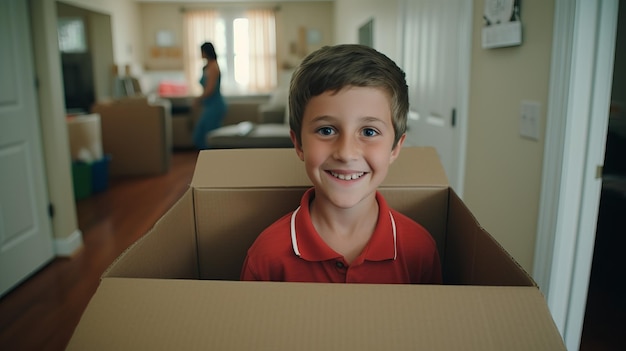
{"points": [[42, 312]]}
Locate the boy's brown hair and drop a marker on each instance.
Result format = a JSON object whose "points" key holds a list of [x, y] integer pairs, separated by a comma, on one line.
{"points": [[333, 68]]}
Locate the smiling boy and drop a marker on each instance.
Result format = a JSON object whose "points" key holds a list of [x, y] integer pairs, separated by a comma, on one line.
{"points": [[348, 107]]}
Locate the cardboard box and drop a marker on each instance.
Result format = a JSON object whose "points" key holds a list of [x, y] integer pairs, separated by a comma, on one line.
{"points": [[85, 137], [137, 134], [176, 287]]}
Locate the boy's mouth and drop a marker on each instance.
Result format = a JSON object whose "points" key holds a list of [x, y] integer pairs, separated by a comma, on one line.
{"points": [[351, 176]]}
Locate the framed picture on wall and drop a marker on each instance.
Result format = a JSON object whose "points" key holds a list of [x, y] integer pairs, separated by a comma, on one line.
{"points": [[502, 25]]}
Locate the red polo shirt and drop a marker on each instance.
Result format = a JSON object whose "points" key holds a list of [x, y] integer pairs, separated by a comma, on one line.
{"points": [[400, 251]]}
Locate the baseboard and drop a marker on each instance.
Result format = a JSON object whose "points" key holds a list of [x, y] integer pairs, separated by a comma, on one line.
{"points": [[65, 247]]}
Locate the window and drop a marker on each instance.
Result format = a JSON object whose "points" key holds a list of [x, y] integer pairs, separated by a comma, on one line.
{"points": [[71, 33], [245, 43]]}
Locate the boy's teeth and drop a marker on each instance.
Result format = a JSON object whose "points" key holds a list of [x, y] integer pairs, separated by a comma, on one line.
{"points": [[347, 176]]}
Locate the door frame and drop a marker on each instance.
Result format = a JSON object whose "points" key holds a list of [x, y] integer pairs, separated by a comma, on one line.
{"points": [[580, 91], [68, 238]]}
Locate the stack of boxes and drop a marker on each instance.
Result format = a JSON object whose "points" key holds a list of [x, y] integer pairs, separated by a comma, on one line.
{"points": [[90, 168]]}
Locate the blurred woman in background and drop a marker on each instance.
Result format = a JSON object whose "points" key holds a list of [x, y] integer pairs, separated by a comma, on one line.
{"points": [[211, 102]]}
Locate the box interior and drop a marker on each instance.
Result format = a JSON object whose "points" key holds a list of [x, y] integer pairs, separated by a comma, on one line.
{"points": [[207, 233], [176, 287]]}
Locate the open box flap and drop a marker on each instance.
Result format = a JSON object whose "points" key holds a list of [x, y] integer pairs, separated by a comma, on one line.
{"points": [[161, 314], [168, 250], [473, 256], [249, 168]]}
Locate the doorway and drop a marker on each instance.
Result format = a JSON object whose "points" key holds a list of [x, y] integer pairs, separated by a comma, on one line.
{"points": [[86, 48], [605, 314]]}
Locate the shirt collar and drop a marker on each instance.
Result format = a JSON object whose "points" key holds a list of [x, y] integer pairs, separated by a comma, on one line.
{"points": [[308, 245]]}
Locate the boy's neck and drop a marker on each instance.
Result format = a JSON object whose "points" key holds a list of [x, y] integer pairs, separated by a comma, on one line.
{"points": [[347, 231]]}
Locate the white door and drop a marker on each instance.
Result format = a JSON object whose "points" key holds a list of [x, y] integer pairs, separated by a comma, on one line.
{"points": [[25, 228], [436, 53]]}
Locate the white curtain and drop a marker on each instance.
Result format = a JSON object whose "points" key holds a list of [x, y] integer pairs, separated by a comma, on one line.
{"points": [[262, 51], [208, 25], [199, 26]]}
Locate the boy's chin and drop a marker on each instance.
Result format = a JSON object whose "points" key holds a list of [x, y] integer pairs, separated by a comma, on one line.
{"points": [[347, 201]]}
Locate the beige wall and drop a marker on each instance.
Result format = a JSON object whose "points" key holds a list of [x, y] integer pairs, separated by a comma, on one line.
{"points": [[503, 173], [503, 170], [293, 16], [155, 17]]}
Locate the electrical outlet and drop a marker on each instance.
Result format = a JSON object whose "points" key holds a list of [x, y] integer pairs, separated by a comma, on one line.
{"points": [[529, 124]]}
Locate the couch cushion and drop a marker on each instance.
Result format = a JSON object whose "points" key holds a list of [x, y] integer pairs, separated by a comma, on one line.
{"points": [[260, 136]]}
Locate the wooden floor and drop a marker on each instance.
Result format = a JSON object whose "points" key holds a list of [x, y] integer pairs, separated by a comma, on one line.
{"points": [[42, 312]]}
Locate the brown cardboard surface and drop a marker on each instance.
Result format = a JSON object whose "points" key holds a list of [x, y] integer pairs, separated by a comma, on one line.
{"points": [[85, 134], [169, 251], [249, 168], [488, 303], [282, 168], [472, 254], [224, 234], [211, 315], [137, 135]]}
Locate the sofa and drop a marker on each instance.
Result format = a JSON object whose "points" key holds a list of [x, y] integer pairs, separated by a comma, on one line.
{"points": [[137, 134], [270, 129], [185, 115]]}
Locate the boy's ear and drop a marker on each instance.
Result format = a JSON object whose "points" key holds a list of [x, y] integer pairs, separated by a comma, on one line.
{"points": [[296, 144], [396, 150]]}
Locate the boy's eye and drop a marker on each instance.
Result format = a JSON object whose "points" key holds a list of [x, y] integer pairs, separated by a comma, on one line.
{"points": [[369, 132], [326, 131]]}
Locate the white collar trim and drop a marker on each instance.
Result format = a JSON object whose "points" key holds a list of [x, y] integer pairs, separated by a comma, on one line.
{"points": [[393, 227], [294, 240]]}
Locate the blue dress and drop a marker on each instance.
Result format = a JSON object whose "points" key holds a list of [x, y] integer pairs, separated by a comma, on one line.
{"points": [[212, 114]]}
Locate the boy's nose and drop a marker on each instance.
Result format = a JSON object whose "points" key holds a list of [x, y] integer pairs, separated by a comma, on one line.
{"points": [[347, 148]]}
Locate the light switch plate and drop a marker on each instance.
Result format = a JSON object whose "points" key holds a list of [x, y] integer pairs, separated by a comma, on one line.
{"points": [[530, 118]]}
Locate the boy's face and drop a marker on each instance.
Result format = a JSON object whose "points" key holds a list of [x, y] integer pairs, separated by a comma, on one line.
{"points": [[347, 144]]}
